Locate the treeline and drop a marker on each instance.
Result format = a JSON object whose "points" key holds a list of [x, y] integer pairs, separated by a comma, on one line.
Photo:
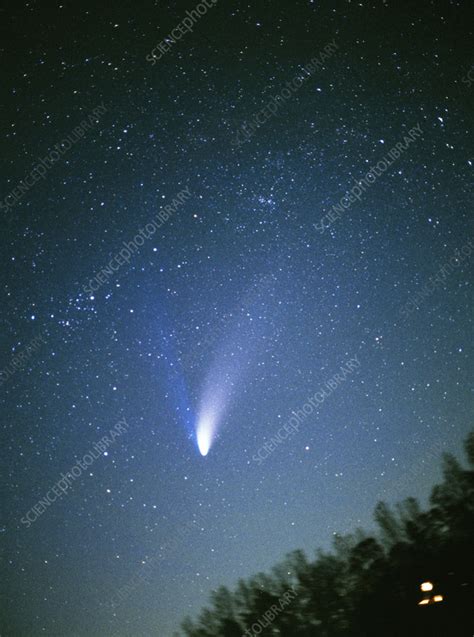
{"points": [[368, 586]]}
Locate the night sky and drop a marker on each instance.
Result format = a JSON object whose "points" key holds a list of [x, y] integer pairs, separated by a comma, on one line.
{"points": [[247, 299]]}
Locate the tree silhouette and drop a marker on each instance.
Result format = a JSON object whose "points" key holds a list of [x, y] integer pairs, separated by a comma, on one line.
{"points": [[368, 586]]}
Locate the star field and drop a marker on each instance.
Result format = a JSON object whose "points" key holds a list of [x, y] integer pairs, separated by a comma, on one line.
{"points": [[235, 291]]}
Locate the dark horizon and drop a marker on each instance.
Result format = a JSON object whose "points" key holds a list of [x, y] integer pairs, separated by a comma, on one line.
{"points": [[417, 569]]}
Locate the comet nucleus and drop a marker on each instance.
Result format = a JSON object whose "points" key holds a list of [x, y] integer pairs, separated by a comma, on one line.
{"points": [[204, 436]]}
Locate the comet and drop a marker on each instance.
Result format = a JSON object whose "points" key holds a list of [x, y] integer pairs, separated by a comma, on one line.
{"points": [[215, 401], [242, 341]]}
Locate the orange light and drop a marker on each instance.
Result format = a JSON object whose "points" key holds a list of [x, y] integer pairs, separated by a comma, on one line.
{"points": [[423, 602], [438, 598], [426, 586]]}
